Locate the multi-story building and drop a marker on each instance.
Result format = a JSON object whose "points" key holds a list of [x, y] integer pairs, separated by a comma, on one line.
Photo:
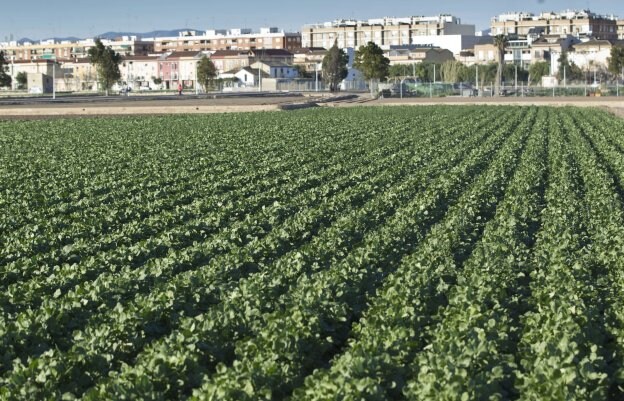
{"points": [[570, 22], [139, 71], [51, 49], [620, 29], [232, 39], [385, 32]]}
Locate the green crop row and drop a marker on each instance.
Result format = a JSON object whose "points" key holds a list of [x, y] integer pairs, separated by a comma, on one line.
{"points": [[431, 253]]}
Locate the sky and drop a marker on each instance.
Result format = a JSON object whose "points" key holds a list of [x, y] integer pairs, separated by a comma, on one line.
{"points": [[40, 19]]}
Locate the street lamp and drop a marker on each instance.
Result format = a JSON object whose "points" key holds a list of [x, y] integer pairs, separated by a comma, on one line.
{"points": [[128, 78], [53, 58]]}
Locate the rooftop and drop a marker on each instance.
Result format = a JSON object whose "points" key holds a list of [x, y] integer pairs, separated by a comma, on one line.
{"points": [[414, 20], [551, 15]]}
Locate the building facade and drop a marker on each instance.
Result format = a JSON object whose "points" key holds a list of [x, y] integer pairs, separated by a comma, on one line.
{"points": [[570, 22], [385, 32], [51, 49], [416, 54], [232, 39]]}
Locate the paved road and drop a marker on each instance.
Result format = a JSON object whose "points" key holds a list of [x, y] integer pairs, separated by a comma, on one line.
{"points": [[129, 101]]}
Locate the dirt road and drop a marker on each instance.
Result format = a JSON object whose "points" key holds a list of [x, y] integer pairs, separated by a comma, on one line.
{"points": [[175, 105]]}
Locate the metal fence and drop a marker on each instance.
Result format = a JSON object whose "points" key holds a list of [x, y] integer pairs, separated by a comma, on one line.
{"points": [[522, 89]]}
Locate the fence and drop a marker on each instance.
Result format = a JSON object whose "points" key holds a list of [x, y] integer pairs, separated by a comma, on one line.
{"points": [[441, 89]]}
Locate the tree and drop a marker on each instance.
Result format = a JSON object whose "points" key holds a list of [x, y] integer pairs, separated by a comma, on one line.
{"points": [[206, 73], [616, 61], [500, 41], [509, 73], [452, 71], [22, 80], [417, 70], [335, 67], [372, 63], [107, 63], [487, 74], [538, 70], [5, 79], [564, 66], [568, 70], [302, 72]]}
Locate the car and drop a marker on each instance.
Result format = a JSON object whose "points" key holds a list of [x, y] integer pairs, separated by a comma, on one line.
{"points": [[145, 88]]}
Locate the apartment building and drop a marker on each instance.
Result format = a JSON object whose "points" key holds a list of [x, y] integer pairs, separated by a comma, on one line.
{"points": [[51, 49], [620, 29], [232, 39], [385, 32], [571, 22]]}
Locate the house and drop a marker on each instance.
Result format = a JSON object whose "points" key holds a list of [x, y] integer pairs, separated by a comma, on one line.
{"points": [[592, 53], [543, 48], [277, 69], [139, 71], [228, 60], [414, 54], [273, 55], [309, 58], [249, 77], [179, 68]]}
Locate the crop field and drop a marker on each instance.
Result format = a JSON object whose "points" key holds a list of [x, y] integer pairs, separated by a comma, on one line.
{"points": [[430, 253]]}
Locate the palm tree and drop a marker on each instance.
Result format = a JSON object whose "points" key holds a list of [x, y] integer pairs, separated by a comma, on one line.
{"points": [[501, 42]]}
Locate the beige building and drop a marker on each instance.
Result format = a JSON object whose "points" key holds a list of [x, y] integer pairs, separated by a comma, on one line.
{"points": [[543, 48], [229, 60], [310, 58], [385, 32], [232, 39], [620, 29], [417, 54], [591, 54], [576, 23], [50, 49]]}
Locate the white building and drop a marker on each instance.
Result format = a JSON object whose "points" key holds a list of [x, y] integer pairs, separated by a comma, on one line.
{"points": [[276, 69], [386, 32]]}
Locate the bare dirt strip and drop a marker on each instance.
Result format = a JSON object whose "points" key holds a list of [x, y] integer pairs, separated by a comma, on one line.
{"points": [[254, 104]]}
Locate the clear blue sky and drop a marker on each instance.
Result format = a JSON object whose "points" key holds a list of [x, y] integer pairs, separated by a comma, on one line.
{"points": [[38, 19]]}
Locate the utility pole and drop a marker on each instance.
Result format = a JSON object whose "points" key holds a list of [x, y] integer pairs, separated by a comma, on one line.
{"points": [[196, 79], [54, 78], [516, 80], [316, 81]]}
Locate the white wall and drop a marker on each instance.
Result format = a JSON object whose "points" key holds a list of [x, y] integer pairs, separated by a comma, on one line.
{"points": [[454, 43]]}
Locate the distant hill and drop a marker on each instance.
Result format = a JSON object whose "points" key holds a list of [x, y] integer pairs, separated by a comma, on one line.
{"points": [[113, 35]]}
